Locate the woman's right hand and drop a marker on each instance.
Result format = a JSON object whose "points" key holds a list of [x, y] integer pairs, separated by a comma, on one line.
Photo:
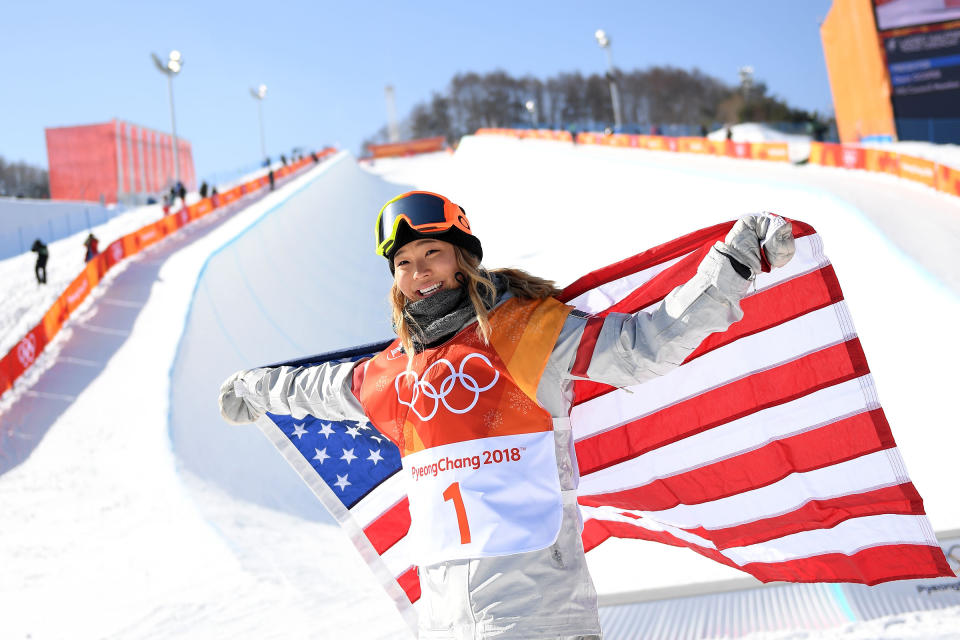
{"points": [[237, 404]]}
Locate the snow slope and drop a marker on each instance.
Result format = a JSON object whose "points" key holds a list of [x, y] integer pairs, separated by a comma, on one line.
{"points": [[141, 514]]}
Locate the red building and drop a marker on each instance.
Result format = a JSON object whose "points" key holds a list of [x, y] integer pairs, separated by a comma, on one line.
{"points": [[115, 161]]}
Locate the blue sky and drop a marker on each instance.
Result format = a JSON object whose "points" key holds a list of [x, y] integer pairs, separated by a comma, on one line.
{"points": [[326, 63]]}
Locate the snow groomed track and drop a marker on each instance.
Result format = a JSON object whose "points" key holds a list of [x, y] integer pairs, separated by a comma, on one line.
{"points": [[220, 539]]}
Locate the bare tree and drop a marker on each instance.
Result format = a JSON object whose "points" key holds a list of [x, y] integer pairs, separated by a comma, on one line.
{"points": [[660, 95], [23, 180]]}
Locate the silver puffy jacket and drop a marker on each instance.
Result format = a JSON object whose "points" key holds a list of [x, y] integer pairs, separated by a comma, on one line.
{"points": [[546, 593]]}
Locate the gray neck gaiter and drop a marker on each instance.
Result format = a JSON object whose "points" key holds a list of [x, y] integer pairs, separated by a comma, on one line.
{"points": [[443, 314]]}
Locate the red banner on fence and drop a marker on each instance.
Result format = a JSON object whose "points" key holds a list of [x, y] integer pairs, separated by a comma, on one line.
{"points": [[407, 148], [24, 354]]}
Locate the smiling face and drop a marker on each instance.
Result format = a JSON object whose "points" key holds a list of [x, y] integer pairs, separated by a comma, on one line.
{"points": [[424, 267]]}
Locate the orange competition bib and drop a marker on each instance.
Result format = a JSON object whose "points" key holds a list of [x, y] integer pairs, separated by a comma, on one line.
{"points": [[478, 450]]}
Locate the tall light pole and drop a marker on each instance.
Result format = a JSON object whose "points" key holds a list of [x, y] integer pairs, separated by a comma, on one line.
{"points": [[171, 68], [746, 81], [259, 94], [604, 41], [532, 108], [393, 129]]}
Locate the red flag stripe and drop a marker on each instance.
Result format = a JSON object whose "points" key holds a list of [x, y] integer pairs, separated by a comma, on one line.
{"points": [[652, 257], [769, 308], [869, 566], [827, 445], [588, 342], [390, 527], [820, 514], [409, 581], [658, 255], [660, 285], [761, 390]]}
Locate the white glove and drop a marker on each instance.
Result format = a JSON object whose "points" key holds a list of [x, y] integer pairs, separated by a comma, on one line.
{"points": [[759, 236], [237, 404]]}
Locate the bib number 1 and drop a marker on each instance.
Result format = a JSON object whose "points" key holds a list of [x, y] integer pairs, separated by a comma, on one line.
{"points": [[453, 493]]}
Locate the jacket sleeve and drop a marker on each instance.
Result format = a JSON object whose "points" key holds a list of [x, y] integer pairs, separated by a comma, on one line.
{"points": [[325, 391], [633, 348]]}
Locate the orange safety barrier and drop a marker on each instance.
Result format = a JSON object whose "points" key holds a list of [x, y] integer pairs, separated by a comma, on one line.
{"points": [[772, 151], [948, 180], [846, 156], [653, 143], [880, 161], [407, 148], [919, 170], [694, 145], [25, 352], [741, 150]]}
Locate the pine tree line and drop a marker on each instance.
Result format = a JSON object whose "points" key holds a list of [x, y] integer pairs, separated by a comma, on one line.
{"points": [[662, 97]]}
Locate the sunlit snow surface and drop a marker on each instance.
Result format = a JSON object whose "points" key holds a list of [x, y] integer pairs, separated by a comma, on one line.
{"points": [[110, 530]]}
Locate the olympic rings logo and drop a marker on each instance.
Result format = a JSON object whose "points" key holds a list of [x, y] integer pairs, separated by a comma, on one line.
{"points": [[27, 350], [422, 387]]}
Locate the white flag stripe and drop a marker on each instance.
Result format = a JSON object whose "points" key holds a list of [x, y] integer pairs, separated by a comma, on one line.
{"points": [[809, 258], [614, 291], [866, 473], [380, 500], [611, 514], [848, 537], [733, 438], [397, 557], [750, 354]]}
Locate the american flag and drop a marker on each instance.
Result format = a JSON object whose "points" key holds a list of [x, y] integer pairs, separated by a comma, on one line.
{"points": [[766, 450]]}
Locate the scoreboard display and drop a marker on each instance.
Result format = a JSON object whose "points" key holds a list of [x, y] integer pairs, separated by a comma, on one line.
{"points": [[925, 73], [896, 14], [921, 47]]}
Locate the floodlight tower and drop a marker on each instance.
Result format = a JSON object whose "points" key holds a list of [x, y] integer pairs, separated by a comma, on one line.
{"points": [[393, 129], [171, 68], [746, 81], [604, 41], [259, 94], [532, 109]]}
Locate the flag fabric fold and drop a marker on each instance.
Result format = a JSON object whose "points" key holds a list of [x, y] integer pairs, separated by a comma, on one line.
{"points": [[767, 450]]}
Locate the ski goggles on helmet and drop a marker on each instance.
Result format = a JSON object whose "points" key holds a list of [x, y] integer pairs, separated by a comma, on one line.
{"points": [[423, 211]]}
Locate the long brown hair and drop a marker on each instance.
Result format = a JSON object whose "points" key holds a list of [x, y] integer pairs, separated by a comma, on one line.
{"points": [[482, 293]]}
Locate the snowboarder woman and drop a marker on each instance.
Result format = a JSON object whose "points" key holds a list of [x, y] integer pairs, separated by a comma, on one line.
{"points": [[482, 363]]}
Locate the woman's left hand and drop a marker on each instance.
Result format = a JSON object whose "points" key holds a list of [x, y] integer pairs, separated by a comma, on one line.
{"points": [[757, 238]]}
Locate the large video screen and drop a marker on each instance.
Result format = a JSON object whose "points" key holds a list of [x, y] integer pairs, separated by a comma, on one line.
{"points": [[925, 74], [893, 14]]}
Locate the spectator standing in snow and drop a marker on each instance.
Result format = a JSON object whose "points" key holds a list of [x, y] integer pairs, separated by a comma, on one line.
{"points": [[270, 176], [91, 244], [40, 269], [203, 189]]}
